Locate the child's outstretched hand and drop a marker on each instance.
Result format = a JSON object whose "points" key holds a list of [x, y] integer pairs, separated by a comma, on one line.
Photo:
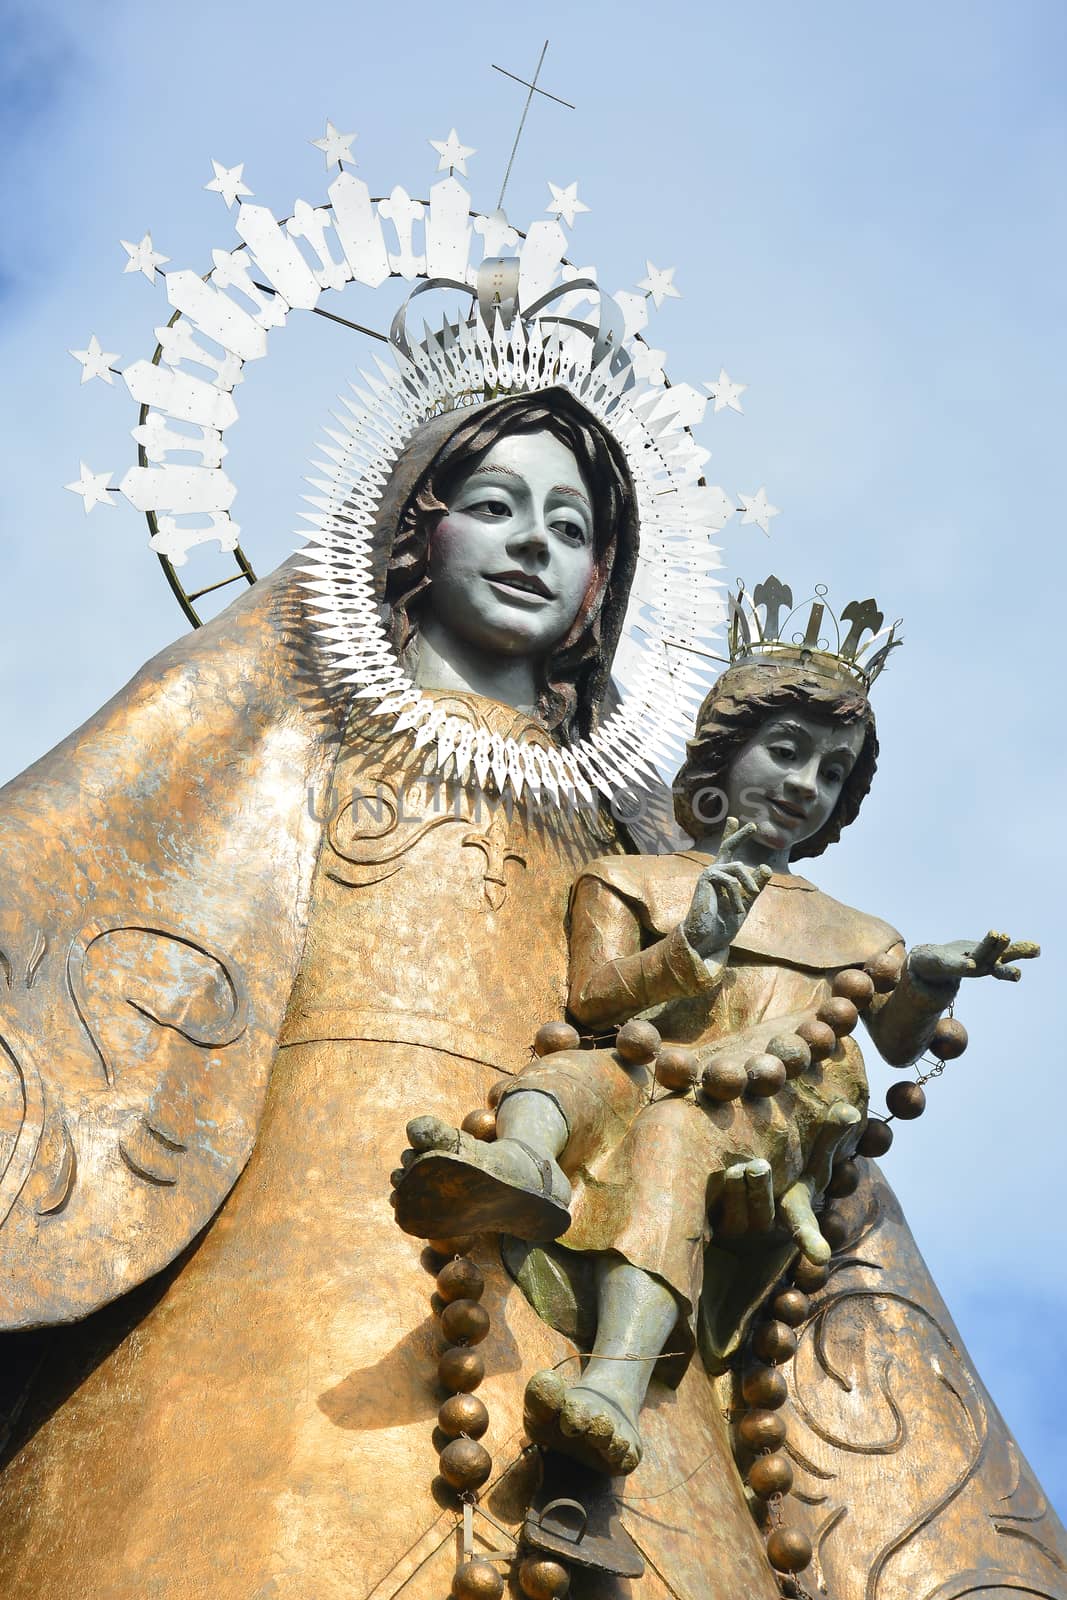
{"points": [[969, 958], [724, 895]]}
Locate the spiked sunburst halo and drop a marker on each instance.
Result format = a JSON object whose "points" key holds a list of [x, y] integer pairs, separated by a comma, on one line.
{"points": [[535, 321]]}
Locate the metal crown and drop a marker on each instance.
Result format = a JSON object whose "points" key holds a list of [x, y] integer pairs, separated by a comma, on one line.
{"points": [[766, 626]]}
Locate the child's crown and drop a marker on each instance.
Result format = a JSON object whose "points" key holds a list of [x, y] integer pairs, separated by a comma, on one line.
{"points": [[766, 627]]}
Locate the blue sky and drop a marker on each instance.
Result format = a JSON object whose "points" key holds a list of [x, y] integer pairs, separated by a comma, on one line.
{"points": [[865, 206]]}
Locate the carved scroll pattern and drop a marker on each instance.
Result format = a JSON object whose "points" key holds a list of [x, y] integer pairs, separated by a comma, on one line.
{"points": [[37, 1139], [378, 847], [153, 1145], [870, 1328], [152, 1142]]}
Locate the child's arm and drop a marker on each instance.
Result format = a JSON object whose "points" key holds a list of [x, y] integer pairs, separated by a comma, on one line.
{"points": [[902, 1022], [611, 977]]}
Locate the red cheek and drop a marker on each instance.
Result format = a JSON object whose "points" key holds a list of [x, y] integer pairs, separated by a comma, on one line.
{"points": [[445, 539]]}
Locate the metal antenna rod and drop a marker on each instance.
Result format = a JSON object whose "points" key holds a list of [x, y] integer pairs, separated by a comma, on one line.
{"points": [[534, 89]]}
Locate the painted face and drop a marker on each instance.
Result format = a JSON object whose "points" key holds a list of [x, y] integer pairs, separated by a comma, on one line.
{"points": [[512, 557], [788, 778]]}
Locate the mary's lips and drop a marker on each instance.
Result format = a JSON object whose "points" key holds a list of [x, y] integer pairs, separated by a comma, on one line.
{"points": [[527, 582]]}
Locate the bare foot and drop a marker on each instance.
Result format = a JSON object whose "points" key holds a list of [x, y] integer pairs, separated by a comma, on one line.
{"points": [[589, 1424], [451, 1184]]}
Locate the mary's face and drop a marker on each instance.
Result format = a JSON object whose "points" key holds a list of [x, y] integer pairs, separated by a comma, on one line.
{"points": [[511, 559], [788, 778]]}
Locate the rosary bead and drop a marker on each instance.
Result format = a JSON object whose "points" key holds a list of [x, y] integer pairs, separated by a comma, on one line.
{"points": [[465, 1464], [724, 1080], [761, 1430], [764, 1387], [541, 1579], [791, 1306], [819, 1037], [792, 1051], [949, 1040], [884, 971], [770, 1475], [807, 1276], [463, 1413], [480, 1124], [906, 1101], [844, 1180], [834, 1229], [451, 1247], [841, 1015], [638, 1042], [460, 1369], [765, 1075], [676, 1067], [464, 1322], [774, 1342], [460, 1280], [553, 1036], [877, 1137], [854, 985], [789, 1550], [477, 1580], [496, 1092]]}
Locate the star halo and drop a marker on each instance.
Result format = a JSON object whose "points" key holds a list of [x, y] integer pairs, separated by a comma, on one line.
{"points": [[663, 665], [674, 592]]}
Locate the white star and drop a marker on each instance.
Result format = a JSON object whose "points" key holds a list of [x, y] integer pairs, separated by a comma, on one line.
{"points": [[725, 392], [453, 154], [565, 203], [96, 362], [142, 257], [336, 146], [227, 182], [757, 510], [659, 284], [93, 487]]}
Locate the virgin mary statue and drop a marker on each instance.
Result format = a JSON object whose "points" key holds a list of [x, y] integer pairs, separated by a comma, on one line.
{"points": [[246, 933]]}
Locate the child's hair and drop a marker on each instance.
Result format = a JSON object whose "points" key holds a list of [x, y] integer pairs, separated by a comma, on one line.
{"points": [[744, 698]]}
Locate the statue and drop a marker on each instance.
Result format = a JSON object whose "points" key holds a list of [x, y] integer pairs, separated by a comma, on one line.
{"points": [[728, 954], [308, 874]]}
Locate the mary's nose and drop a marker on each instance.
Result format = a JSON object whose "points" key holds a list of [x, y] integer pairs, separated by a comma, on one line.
{"points": [[529, 537]]}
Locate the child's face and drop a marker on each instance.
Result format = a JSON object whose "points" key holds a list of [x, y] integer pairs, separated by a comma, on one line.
{"points": [[788, 778]]}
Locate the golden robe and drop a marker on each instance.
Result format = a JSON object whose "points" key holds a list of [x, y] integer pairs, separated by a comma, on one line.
{"points": [[242, 1402]]}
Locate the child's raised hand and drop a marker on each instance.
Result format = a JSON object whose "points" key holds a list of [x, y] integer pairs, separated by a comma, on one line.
{"points": [[724, 894], [970, 958]]}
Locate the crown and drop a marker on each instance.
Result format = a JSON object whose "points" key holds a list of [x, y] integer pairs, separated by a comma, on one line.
{"points": [[777, 636], [496, 309]]}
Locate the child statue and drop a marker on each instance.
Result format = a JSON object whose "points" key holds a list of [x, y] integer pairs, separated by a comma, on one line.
{"points": [[758, 977]]}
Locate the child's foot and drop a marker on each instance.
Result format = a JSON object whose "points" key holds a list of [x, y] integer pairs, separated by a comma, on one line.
{"points": [[587, 1424], [451, 1184]]}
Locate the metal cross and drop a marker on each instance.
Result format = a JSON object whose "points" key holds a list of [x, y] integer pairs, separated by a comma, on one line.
{"points": [[534, 89]]}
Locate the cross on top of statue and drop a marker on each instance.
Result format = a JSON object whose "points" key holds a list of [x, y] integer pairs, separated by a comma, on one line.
{"points": [[534, 88]]}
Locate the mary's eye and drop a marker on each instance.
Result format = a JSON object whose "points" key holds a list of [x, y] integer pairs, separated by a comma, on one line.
{"points": [[489, 509], [573, 532], [782, 752]]}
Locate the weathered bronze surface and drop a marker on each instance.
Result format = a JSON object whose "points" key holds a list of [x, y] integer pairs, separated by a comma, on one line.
{"points": [[905, 1476], [244, 937]]}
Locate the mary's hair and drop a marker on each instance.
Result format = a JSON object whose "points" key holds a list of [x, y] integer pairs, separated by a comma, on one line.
{"points": [[744, 698], [576, 674]]}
